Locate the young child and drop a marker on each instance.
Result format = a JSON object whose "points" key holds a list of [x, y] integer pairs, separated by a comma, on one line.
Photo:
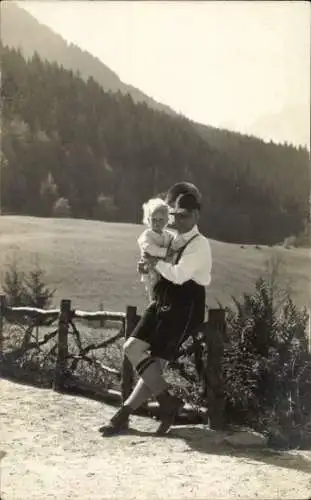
{"points": [[155, 240]]}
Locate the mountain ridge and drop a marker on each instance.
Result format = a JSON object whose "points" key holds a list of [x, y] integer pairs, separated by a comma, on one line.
{"points": [[30, 36]]}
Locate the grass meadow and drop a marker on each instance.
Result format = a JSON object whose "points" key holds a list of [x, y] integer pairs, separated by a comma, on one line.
{"points": [[93, 262]]}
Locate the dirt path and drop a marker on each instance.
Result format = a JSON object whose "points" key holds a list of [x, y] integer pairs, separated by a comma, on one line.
{"points": [[54, 451]]}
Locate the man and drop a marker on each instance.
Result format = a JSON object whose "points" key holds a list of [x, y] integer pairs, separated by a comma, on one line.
{"points": [[177, 310]]}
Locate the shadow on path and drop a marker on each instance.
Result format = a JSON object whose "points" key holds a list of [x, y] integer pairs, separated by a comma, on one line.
{"points": [[212, 443]]}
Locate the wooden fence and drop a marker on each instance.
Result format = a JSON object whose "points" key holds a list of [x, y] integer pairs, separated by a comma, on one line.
{"points": [[209, 339]]}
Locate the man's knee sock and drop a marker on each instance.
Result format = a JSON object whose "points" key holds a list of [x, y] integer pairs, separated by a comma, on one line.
{"points": [[151, 373], [140, 394]]}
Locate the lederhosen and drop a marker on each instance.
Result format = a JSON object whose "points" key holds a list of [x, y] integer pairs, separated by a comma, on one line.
{"points": [[175, 312]]}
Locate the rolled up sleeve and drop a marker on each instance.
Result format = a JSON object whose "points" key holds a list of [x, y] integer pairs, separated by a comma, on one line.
{"points": [[195, 264]]}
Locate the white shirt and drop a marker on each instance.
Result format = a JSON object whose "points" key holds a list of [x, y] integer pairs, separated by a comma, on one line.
{"points": [[195, 263], [154, 243]]}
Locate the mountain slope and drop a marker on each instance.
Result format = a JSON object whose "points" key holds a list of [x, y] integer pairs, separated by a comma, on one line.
{"points": [[21, 30]]}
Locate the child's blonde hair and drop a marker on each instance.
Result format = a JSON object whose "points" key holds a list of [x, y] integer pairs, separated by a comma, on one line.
{"points": [[152, 206]]}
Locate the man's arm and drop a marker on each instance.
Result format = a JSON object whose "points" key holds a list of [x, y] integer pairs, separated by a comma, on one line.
{"points": [[195, 258]]}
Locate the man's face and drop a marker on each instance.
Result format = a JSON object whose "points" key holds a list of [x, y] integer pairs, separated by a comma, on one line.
{"points": [[184, 222]]}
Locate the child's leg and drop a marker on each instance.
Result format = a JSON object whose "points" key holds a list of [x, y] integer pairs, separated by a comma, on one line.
{"points": [[149, 289]]}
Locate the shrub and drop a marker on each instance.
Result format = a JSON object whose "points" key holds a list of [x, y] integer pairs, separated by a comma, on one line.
{"points": [[13, 284], [105, 208], [37, 294], [264, 364], [62, 208], [290, 242], [303, 239], [26, 288]]}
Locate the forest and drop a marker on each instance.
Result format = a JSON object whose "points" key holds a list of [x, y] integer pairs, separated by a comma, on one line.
{"points": [[71, 148]]}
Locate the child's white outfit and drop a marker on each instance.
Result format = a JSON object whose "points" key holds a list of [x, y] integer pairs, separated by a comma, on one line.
{"points": [[156, 245]]}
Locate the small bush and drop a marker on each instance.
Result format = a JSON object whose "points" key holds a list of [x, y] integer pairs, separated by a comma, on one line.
{"points": [[264, 364], [23, 288], [289, 242], [13, 284], [303, 239], [105, 208], [62, 208], [37, 294]]}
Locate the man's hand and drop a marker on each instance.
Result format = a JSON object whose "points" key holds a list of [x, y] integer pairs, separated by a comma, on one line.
{"points": [[142, 267], [150, 260], [170, 254]]}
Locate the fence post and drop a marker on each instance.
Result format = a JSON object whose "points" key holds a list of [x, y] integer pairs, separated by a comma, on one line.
{"points": [[101, 321], [309, 331], [2, 308], [62, 346], [40, 304], [213, 383], [127, 372]]}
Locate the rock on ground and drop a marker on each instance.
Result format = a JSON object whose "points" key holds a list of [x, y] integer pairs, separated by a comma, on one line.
{"points": [[246, 438]]}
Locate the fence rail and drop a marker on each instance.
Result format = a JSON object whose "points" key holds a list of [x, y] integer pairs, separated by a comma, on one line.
{"points": [[211, 335], [33, 312]]}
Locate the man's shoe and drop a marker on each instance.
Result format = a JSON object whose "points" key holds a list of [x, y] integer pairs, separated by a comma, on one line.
{"points": [[112, 430], [118, 423], [169, 409]]}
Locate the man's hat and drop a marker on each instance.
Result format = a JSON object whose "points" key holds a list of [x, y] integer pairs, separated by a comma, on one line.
{"points": [[182, 188], [185, 203]]}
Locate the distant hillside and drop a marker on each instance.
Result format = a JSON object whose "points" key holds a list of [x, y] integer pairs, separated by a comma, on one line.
{"points": [[21, 30]]}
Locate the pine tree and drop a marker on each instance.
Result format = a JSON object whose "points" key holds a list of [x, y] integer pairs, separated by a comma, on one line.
{"points": [[13, 284], [37, 294]]}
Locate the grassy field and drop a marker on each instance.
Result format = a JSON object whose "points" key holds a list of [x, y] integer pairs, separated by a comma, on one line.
{"points": [[92, 262]]}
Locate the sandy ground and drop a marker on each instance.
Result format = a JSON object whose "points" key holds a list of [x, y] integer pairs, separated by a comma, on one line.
{"points": [[54, 451]]}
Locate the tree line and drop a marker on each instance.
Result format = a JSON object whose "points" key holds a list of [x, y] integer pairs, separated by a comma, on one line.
{"points": [[70, 148]]}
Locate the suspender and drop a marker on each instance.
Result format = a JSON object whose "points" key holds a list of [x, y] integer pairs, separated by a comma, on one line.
{"points": [[164, 291], [182, 249]]}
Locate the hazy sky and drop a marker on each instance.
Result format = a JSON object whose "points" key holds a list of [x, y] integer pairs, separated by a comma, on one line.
{"points": [[241, 65]]}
